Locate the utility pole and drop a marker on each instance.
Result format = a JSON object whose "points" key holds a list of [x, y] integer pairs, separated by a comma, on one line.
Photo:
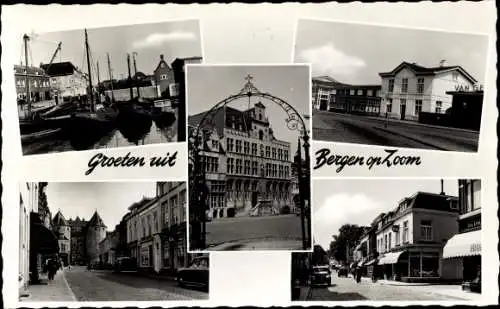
{"points": [[130, 78], [110, 78], [28, 94], [135, 70], [90, 72]]}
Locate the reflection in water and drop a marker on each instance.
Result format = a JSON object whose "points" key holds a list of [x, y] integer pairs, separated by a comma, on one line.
{"points": [[136, 132], [153, 132]]}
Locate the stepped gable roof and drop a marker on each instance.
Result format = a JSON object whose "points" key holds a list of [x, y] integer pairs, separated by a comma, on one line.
{"points": [[59, 68], [96, 221], [421, 70], [59, 220], [162, 64], [223, 117]]}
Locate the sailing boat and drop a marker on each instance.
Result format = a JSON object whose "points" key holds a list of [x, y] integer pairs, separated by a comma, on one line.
{"points": [[89, 120], [32, 126]]}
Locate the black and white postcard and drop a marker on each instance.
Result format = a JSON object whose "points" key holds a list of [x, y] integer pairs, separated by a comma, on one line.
{"points": [[391, 86], [104, 87], [410, 239], [249, 161], [105, 241]]}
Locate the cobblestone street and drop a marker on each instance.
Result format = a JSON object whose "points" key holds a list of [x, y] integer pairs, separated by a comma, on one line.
{"points": [[343, 289], [106, 285], [80, 284], [272, 232]]}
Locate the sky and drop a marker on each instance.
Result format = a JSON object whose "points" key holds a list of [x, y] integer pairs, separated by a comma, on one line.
{"points": [[356, 53], [206, 86], [110, 199], [177, 39], [359, 201]]}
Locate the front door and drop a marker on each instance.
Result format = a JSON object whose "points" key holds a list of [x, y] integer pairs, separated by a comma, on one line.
{"points": [[255, 197], [403, 111]]}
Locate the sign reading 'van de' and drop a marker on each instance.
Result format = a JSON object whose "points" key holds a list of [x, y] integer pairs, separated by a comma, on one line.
{"points": [[467, 88]]}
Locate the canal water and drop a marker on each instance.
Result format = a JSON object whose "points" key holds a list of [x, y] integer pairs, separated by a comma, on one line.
{"points": [[130, 135]]}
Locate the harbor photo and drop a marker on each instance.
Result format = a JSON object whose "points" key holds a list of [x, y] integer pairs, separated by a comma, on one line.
{"points": [[393, 240], [104, 87], [107, 241], [397, 87], [249, 161]]}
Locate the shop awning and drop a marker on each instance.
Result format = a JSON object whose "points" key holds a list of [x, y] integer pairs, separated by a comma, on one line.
{"points": [[43, 240], [390, 258], [466, 244]]}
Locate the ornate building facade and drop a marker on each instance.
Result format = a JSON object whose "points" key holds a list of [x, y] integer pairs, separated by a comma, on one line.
{"points": [[247, 168]]}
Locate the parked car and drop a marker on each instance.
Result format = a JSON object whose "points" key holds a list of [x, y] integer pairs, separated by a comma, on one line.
{"points": [[321, 275], [125, 264], [196, 274], [343, 272]]}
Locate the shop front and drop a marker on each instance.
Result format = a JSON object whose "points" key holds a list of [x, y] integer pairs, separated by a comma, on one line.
{"points": [[146, 256], [411, 265], [43, 244], [467, 246]]}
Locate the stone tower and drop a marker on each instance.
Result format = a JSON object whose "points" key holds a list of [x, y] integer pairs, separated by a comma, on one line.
{"points": [[96, 231], [63, 231]]}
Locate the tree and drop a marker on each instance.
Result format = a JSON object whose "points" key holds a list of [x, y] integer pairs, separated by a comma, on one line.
{"points": [[347, 238], [319, 256]]}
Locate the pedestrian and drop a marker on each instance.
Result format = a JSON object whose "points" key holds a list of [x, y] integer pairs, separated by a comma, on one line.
{"points": [[358, 275]]}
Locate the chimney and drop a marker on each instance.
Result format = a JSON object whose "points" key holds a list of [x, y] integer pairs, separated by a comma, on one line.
{"points": [[442, 63], [442, 187], [161, 57]]}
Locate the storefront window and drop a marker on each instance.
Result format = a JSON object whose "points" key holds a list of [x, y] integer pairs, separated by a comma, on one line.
{"points": [[430, 265], [414, 264]]}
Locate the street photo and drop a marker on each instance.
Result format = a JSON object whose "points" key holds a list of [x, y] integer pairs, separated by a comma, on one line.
{"points": [[249, 160], [397, 87], [106, 241], [392, 240], [104, 87]]}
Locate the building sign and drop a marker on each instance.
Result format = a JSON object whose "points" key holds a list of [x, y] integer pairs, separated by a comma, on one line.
{"points": [[470, 225], [475, 248], [174, 90], [467, 88]]}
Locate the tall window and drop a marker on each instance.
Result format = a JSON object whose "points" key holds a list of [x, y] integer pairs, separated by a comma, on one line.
{"points": [[420, 85], [254, 149], [439, 106], [254, 168], [418, 107], [238, 146], [402, 103], [286, 155], [389, 105], [404, 85], [246, 147], [230, 165], [426, 230], [230, 144], [390, 241], [405, 232], [239, 168], [391, 85], [396, 236], [268, 151], [274, 153], [385, 242]]}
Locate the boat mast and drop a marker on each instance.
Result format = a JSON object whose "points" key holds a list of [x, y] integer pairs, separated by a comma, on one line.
{"points": [[110, 78], [90, 72], [98, 79], [28, 94], [135, 70], [130, 78]]}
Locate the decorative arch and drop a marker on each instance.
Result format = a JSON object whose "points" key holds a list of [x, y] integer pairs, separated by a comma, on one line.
{"points": [[294, 120]]}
